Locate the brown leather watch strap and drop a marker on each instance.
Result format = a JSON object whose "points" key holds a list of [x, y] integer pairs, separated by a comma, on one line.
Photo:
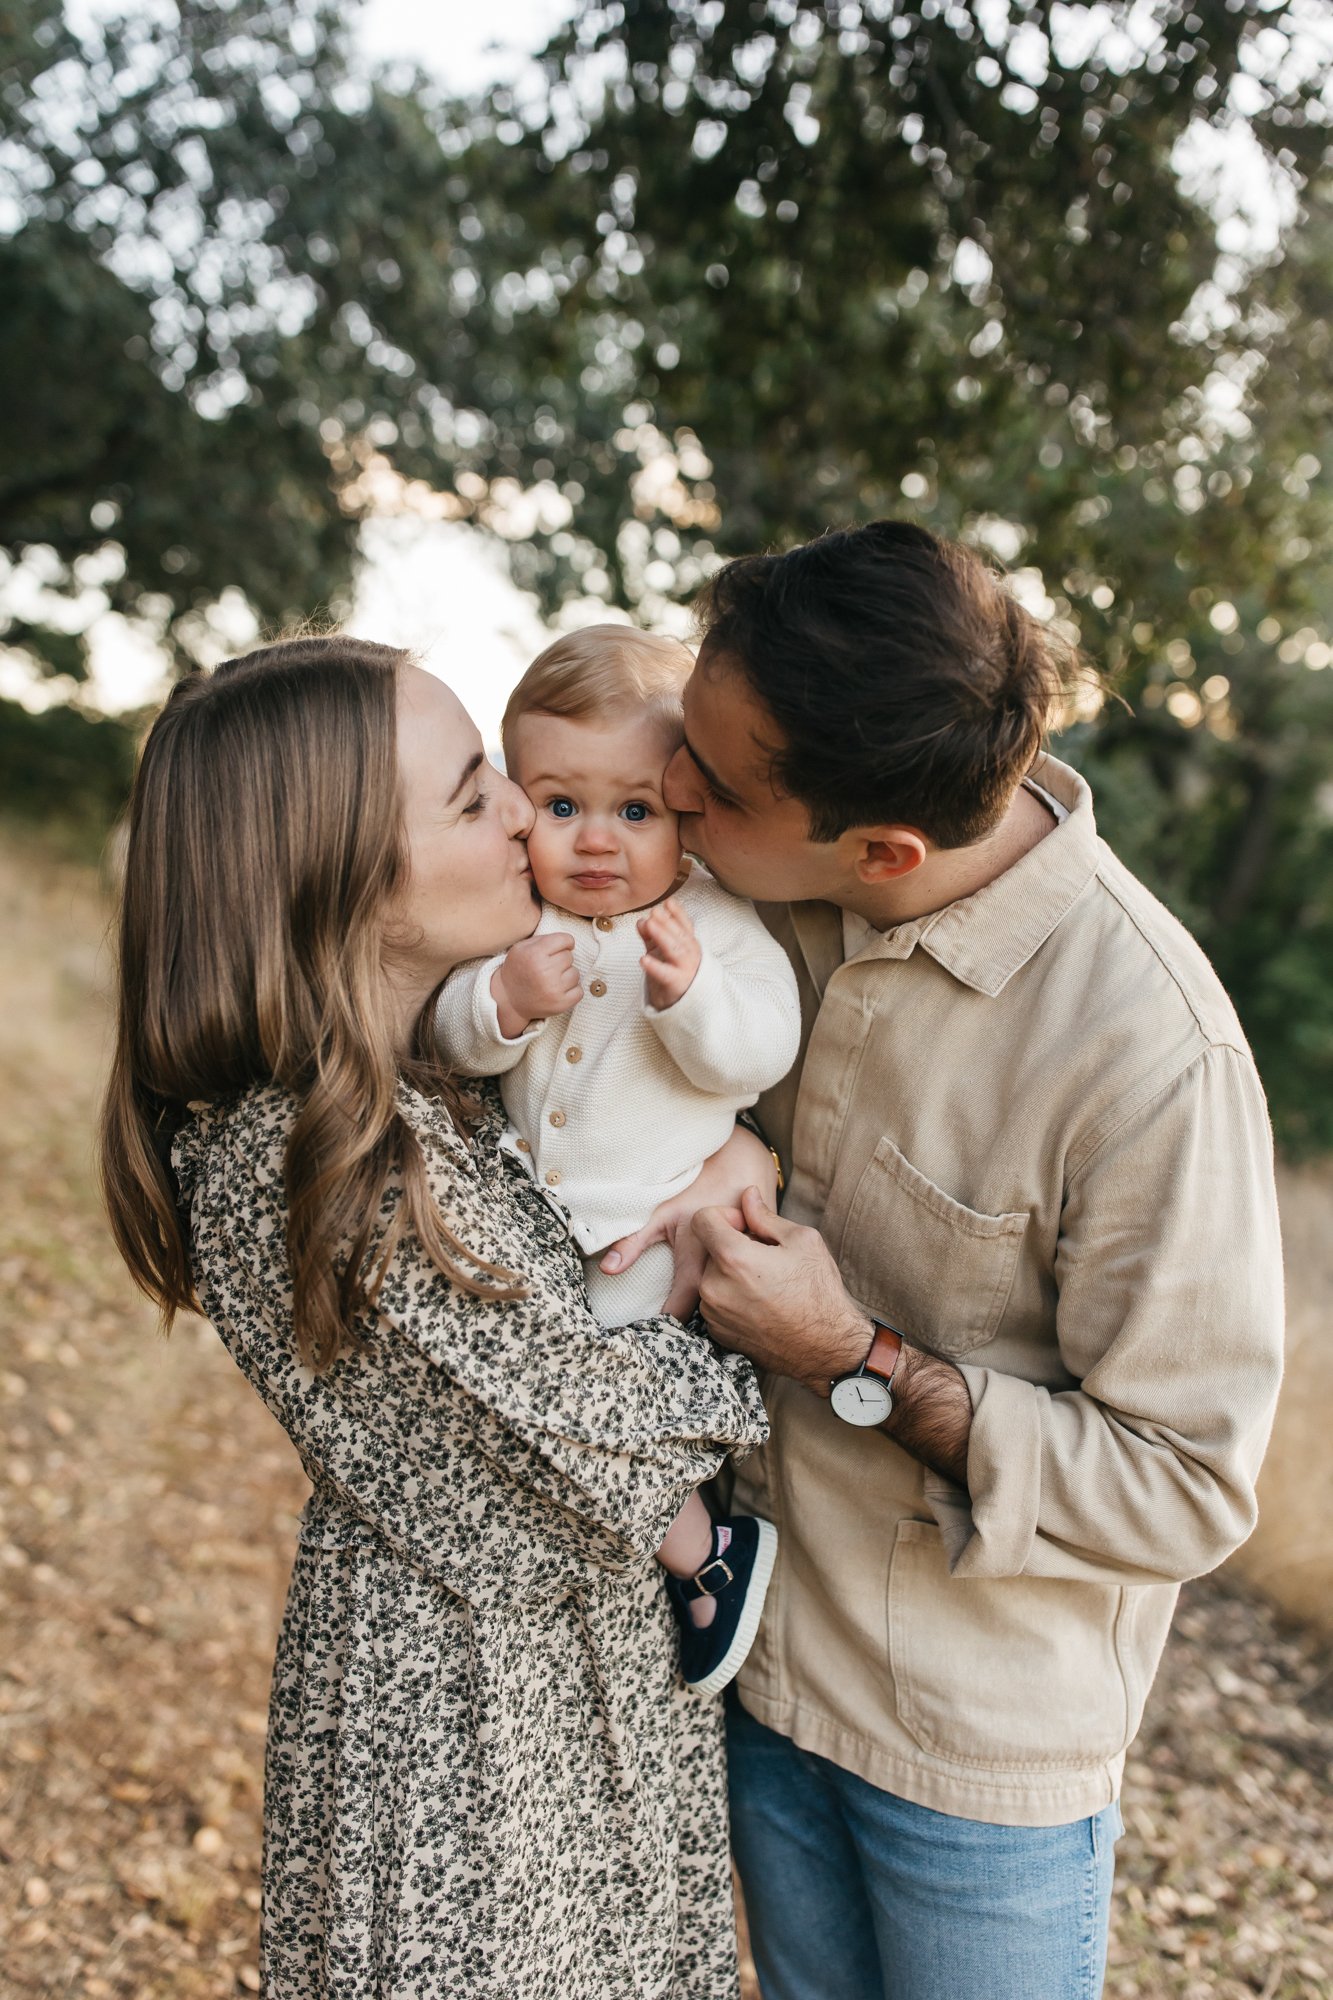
{"points": [[885, 1353]]}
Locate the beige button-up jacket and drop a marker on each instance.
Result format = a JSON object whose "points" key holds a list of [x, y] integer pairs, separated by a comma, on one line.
{"points": [[1030, 1130]]}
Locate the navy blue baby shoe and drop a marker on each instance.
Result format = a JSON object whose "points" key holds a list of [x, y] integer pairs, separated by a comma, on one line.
{"points": [[736, 1576]]}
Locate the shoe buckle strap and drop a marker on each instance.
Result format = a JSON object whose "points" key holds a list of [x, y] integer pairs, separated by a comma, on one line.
{"points": [[696, 1585]]}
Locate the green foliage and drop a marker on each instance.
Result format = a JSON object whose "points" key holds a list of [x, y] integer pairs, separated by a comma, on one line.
{"points": [[731, 274], [796, 256], [779, 267], [157, 441]]}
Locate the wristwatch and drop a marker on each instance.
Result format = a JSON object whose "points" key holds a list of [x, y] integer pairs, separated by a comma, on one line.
{"points": [[866, 1398]]}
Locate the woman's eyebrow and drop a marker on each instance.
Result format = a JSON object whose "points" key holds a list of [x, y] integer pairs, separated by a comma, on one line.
{"points": [[472, 765]]}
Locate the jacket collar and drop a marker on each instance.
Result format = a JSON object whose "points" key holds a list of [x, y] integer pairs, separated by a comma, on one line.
{"points": [[983, 939]]}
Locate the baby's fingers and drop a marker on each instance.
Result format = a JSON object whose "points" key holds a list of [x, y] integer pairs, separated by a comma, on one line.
{"points": [[665, 936], [671, 916], [566, 986]]}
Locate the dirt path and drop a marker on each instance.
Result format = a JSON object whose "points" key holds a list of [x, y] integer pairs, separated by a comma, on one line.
{"points": [[147, 1508]]}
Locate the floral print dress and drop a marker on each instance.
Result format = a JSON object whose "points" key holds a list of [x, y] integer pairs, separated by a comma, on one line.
{"points": [[485, 1779]]}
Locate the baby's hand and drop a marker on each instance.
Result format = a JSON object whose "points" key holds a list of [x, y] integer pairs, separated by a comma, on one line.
{"points": [[673, 955], [536, 980]]}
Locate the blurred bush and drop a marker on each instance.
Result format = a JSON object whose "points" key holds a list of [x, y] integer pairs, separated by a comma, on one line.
{"points": [[64, 771]]}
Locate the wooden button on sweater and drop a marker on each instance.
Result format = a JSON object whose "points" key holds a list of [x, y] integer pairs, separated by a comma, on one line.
{"points": [[605, 923], [632, 1099]]}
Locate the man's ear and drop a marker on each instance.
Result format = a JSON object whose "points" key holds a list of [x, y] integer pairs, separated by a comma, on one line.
{"points": [[886, 853]]}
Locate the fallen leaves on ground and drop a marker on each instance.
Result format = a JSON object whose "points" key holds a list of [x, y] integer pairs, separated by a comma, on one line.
{"points": [[147, 1516]]}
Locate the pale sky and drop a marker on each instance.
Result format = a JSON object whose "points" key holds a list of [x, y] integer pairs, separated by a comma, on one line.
{"points": [[465, 45]]}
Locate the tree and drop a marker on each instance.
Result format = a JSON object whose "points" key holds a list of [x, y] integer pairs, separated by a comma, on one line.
{"points": [[168, 372], [841, 252], [787, 265], [733, 273]]}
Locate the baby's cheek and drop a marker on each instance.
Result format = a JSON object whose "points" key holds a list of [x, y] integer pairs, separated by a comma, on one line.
{"points": [[544, 852]]}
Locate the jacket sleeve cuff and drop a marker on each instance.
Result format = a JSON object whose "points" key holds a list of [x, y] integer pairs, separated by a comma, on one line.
{"points": [[1003, 1474]]}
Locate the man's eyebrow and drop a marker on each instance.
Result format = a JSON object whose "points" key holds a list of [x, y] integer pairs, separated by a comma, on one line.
{"points": [[711, 777], [473, 764]]}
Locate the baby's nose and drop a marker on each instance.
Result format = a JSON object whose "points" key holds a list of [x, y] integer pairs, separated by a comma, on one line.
{"points": [[596, 835]]}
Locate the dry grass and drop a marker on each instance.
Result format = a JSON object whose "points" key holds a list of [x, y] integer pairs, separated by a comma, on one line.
{"points": [[1290, 1554], [147, 1508]]}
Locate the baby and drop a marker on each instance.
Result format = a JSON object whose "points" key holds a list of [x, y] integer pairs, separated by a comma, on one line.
{"points": [[646, 1009]]}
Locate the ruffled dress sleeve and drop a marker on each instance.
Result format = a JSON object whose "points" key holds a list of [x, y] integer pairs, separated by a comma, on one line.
{"points": [[510, 1451]]}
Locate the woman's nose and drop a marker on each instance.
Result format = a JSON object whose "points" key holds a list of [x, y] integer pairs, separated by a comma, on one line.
{"points": [[682, 788], [517, 810]]}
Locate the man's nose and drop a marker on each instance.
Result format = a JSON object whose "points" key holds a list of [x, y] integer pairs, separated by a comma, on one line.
{"points": [[682, 788]]}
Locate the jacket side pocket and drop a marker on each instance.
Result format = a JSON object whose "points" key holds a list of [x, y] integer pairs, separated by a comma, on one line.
{"points": [[1011, 1674]]}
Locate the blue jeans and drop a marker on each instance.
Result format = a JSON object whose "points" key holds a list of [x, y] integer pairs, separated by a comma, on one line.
{"points": [[853, 1894]]}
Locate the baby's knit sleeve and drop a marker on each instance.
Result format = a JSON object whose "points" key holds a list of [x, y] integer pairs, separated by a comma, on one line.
{"points": [[737, 1029], [467, 1023]]}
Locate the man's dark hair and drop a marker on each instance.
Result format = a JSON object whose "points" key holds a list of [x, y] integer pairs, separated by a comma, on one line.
{"points": [[908, 683]]}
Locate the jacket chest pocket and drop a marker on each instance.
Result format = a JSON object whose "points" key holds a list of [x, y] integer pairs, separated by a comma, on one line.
{"points": [[938, 1271]]}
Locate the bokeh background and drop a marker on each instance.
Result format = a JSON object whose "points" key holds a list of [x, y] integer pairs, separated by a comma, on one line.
{"points": [[458, 324]]}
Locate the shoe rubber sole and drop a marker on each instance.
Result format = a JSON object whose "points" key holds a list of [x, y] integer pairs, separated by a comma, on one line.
{"points": [[761, 1575]]}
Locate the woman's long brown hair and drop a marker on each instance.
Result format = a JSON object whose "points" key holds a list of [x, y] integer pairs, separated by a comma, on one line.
{"points": [[265, 850]]}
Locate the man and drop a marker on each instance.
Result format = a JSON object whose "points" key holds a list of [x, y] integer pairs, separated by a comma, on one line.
{"points": [[1025, 1133]]}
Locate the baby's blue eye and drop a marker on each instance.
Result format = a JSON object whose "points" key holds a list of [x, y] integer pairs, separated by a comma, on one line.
{"points": [[561, 808], [636, 811]]}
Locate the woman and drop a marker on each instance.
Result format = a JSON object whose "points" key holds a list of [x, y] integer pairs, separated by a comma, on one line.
{"points": [[483, 1775]]}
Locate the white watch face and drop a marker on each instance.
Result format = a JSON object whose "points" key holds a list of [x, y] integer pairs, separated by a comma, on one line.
{"points": [[862, 1400]]}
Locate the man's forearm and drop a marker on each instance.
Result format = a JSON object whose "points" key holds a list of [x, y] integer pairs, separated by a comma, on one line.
{"points": [[932, 1413]]}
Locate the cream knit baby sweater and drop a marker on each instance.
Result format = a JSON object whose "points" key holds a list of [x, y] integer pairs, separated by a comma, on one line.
{"points": [[614, 1105]]}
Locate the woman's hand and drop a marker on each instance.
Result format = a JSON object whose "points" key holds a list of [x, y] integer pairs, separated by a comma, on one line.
{"points": [[743, 1162]]}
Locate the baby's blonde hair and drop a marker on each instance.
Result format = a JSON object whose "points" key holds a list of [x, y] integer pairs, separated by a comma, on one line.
{"points": [[607, 671]]}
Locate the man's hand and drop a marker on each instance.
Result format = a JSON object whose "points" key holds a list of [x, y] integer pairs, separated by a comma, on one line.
{"points": [[740, 1163], [673, 955], [775, 1294], [536, 980]]}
